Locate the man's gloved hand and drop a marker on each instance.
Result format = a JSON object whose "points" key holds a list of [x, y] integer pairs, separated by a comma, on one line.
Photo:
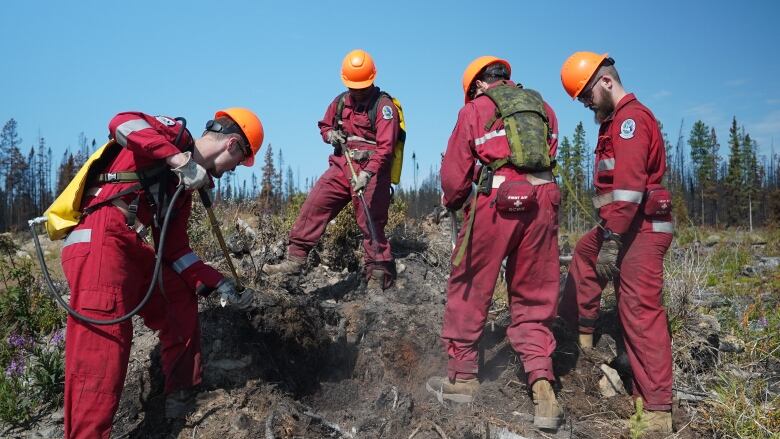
{"points": [[606, 263], [228, 295], [192, 175], [336, 138], [361, 181]]}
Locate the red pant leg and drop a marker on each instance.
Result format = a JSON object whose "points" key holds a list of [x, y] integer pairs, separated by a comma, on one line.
{"points": [[470, 288], [103, 262], [175, 316], [329, 195], [377, 196], [645, 325], [581, 299], [533, 280]]}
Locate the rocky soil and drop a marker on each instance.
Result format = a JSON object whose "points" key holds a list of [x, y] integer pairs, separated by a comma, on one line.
{"points": [[321, 356]]}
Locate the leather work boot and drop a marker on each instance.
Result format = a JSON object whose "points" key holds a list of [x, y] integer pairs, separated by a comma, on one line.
{"points": [[461, 391], [590, 353], [547, 413], [585, 340], [658, 421], [377, 280], [290, 265]]}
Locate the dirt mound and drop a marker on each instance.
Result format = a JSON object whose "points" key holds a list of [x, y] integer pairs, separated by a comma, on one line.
{"points": [[321, 356]]}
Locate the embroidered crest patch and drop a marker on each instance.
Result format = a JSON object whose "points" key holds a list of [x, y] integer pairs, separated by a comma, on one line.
{"points": [[627, 128], [387, 112], [166, 120]]}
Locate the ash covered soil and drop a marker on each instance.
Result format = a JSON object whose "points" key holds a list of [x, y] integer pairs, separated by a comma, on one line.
{"points": [[322, 356]]}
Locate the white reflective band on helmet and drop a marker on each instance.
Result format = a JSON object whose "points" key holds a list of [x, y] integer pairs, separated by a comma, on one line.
{"points": [[625, 195], [488, 136], [606, 165], [129, 127], [360, 139], [185, 262], [663, 227], [78, 236]]}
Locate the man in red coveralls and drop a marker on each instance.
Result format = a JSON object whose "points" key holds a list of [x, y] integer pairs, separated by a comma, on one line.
{"points": [[370, 145], [109, 266], [528, 240], [629, 245]]}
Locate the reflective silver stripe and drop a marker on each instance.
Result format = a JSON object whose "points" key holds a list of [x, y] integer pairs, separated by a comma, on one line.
{"points": [[540, 178], [488, 136], [606, 165], [602, 200], [663, 227], [129, 127], [78, 236], [535, 178], [360, 139], [185, 262], [617, 195], [626, 195]]}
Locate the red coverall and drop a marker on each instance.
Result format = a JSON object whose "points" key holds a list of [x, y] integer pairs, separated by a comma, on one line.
{"points": [[527, 239], [109, 268], [629, 156], [333, 190]]}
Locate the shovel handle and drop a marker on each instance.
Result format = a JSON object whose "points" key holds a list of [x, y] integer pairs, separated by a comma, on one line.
{"points": [[204, 196]]}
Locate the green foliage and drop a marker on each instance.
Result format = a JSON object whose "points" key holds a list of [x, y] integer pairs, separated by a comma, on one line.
{"points": [[637, 423], [735, 193], [686, 235], [290, 211], [743, 408], [704, 154], [32, 370], [728, 261], [572, 170], [15, 408]]}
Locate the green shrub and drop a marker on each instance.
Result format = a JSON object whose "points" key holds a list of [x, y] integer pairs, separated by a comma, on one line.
{"points": [[743, 408], [32, 371], [728, 261]]}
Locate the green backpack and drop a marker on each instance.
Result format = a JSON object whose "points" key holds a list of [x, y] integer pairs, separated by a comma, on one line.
{"points": [[526, 125]]}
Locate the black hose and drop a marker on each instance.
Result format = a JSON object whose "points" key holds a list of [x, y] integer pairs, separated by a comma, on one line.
{"points": [[155, 276]]}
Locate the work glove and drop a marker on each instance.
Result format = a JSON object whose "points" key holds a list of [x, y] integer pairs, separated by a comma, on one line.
{"points": [[336, 138], [192, 175], [361, 181], [229, 295], [606, 263]]}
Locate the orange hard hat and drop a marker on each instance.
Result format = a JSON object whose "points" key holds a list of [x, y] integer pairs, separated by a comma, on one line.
{"points": [[578, 69], [250, 125], [475, 67], [358, 69]]}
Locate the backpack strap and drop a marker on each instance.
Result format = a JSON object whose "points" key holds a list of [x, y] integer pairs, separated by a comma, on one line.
{"points": [[372, 110], [337, 117]]}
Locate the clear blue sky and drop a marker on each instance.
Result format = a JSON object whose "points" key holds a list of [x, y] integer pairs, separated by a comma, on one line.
{"points": [[68, 67]]}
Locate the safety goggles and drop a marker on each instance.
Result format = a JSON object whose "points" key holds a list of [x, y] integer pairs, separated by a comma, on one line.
{"points": [[216, 127], [586, 96]]}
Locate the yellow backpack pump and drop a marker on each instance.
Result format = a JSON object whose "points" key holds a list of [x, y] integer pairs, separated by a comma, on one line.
{"points": [[64, 213]]}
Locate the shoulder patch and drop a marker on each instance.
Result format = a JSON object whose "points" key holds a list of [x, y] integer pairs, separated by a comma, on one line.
{"points": [[387, 112], [627, 128], [167, 121]]}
